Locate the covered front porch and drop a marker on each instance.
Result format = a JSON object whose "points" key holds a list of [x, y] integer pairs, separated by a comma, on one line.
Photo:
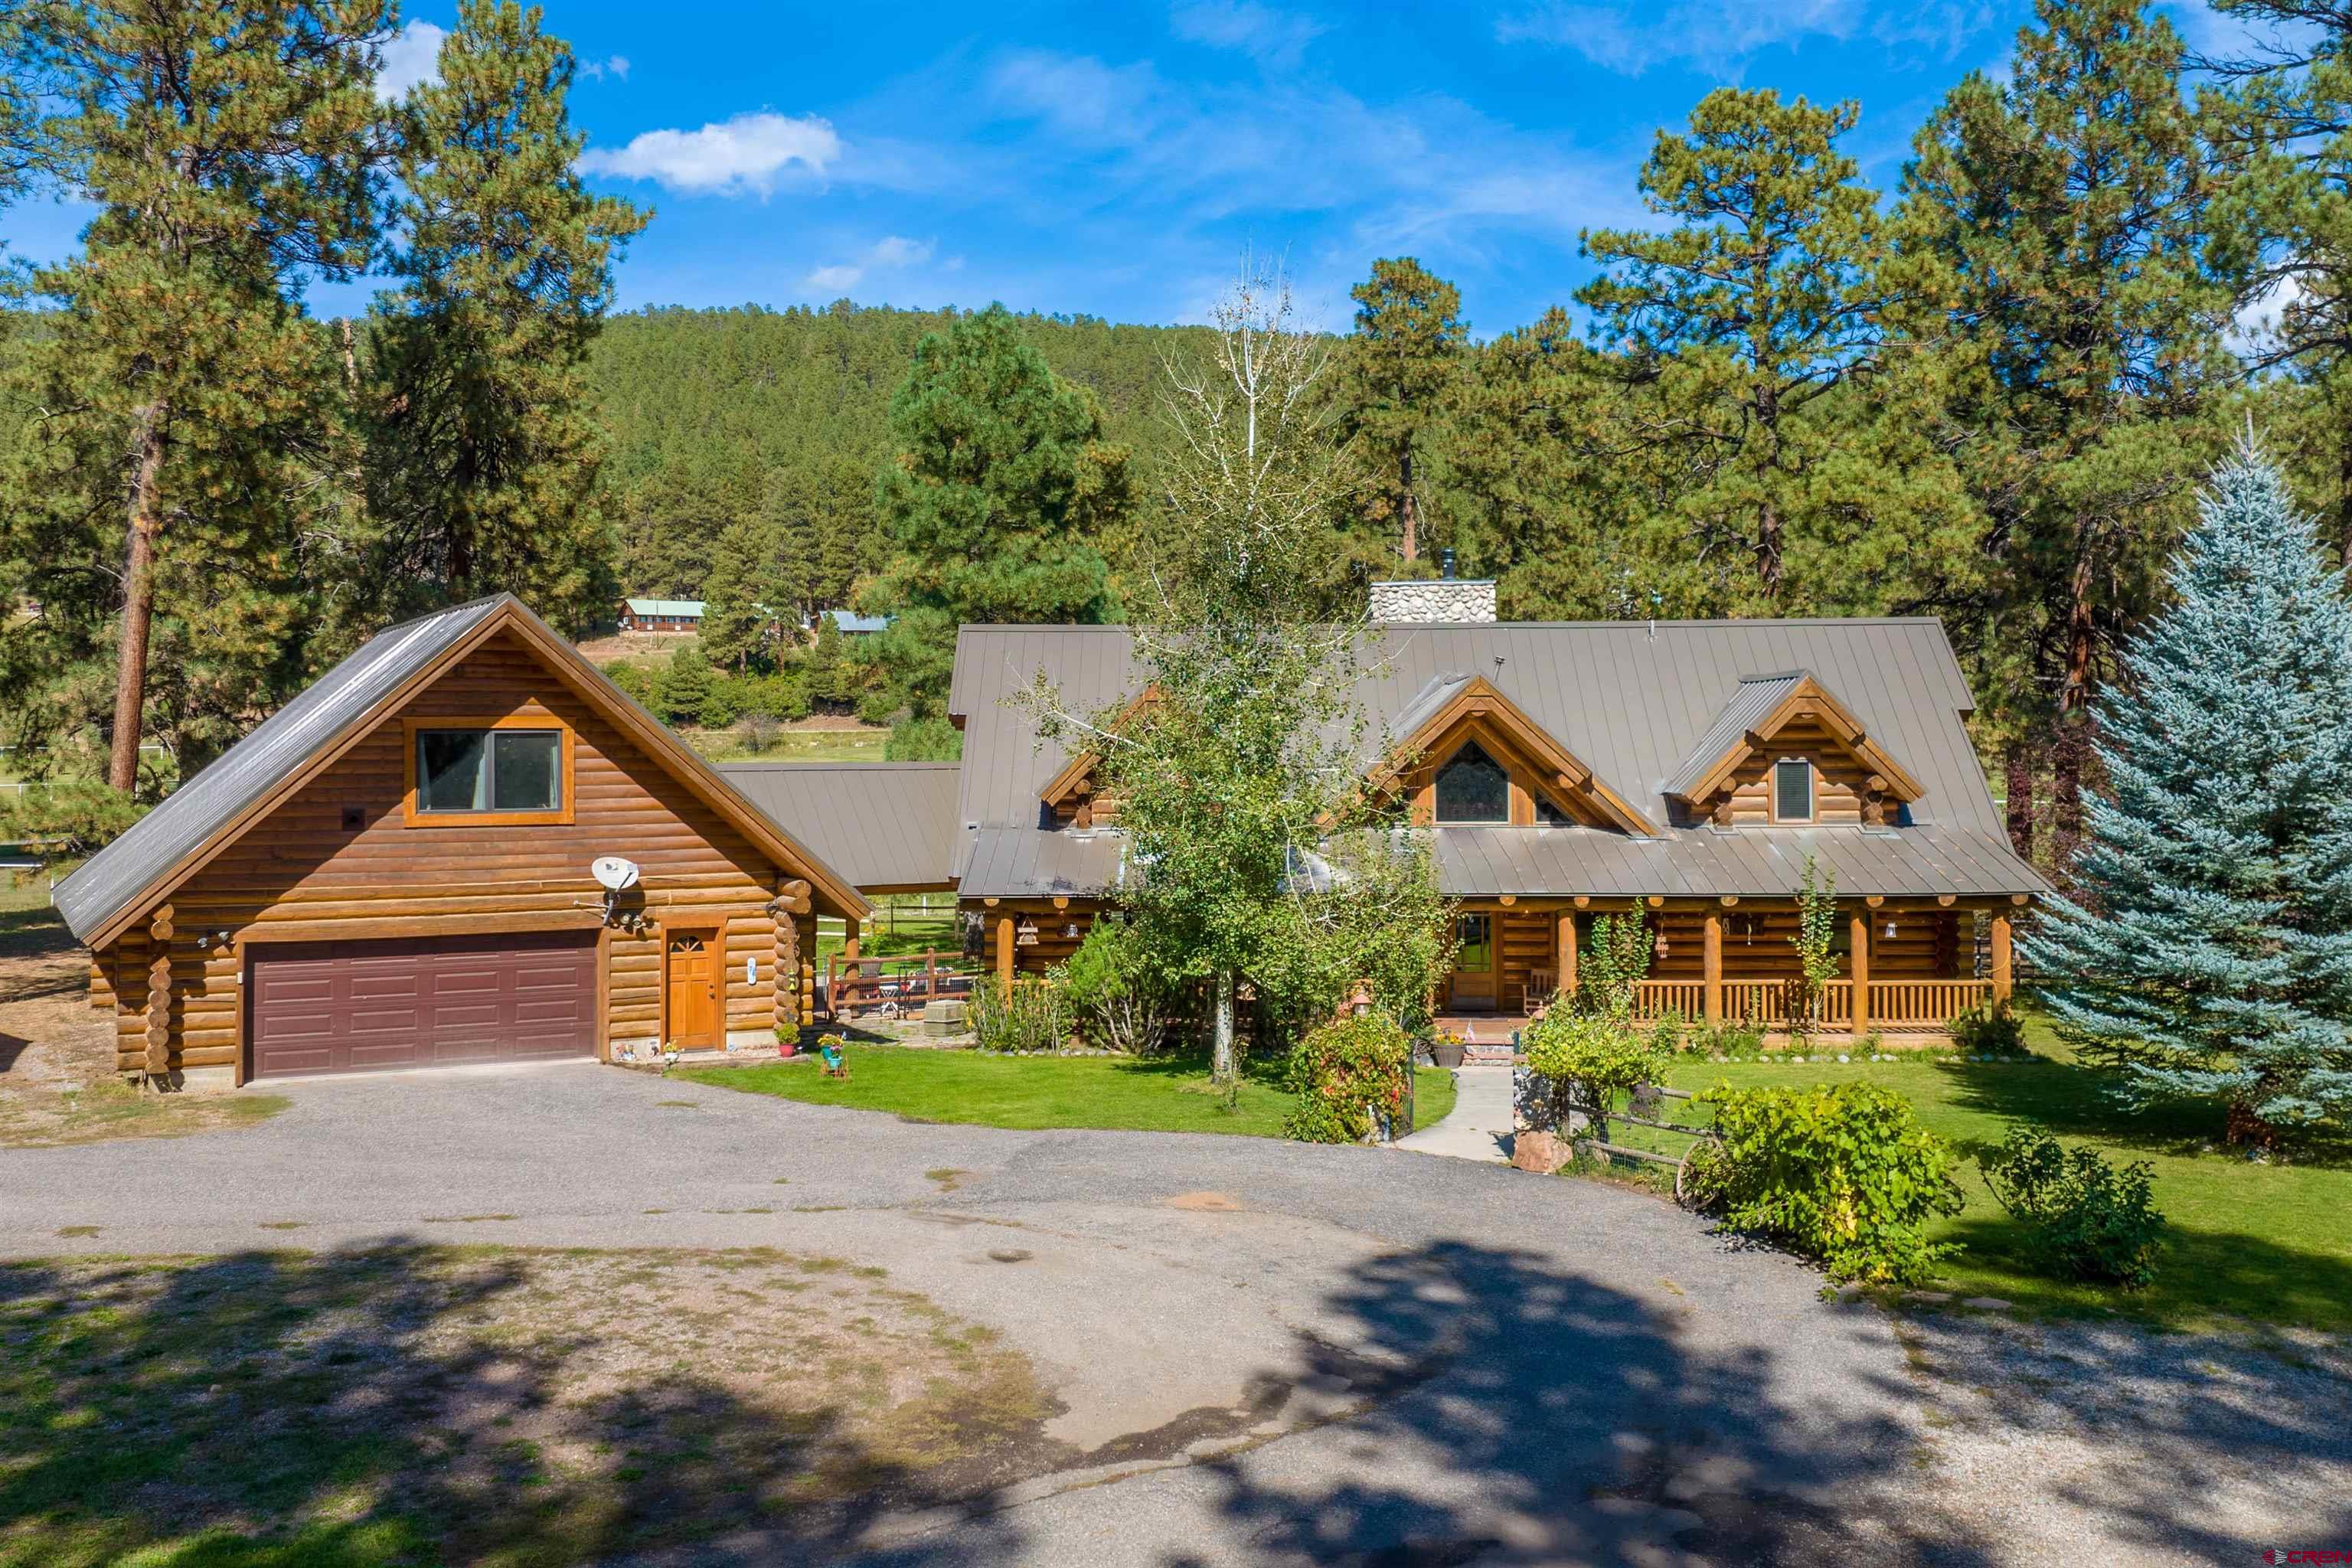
{"points": [[1906, 966]]}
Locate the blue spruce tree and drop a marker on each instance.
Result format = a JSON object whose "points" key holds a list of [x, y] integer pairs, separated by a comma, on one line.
{"points": [[2209, 953]]}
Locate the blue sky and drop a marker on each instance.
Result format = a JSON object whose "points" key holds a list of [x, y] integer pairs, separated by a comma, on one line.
{"points": [[1115, 159]]}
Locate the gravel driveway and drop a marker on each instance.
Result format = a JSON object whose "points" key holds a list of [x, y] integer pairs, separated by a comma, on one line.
{"points": [[1275, 1354]]}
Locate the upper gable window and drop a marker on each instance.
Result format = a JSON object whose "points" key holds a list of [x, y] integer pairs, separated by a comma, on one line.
{"points": [[508, 772], [1549, 816], [1473, 788], [1792, 790]]}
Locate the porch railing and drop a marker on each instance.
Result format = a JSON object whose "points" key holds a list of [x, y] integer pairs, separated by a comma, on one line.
{"points": [[1916, 1005], [1897, 1006]]}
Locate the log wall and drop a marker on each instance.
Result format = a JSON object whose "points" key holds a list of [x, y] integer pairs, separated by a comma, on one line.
{"points": [[338, 862]]}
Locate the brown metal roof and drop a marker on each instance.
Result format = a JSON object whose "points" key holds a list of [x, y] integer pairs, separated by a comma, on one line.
{"points": [[1035, 862], [1751, 700], [884, 825], [1631, 699]]}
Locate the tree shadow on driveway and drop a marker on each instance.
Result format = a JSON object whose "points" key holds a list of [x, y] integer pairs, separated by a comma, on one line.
{"points": [[1570, 1421], [408, 1404]]}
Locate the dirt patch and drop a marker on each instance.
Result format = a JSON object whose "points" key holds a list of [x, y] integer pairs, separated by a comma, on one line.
{"points": [[1205, 1202], [58, 1082], [486, 1406]]}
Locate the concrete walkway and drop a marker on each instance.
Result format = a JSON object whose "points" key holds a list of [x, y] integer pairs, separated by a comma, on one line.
{"points": [[1480, 1125]]}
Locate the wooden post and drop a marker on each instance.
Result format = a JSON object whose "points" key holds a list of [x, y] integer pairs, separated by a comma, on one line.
{"points": [[1860, 927], [1004, 954], [785, 976], [849, 943], [930, 975], [1712, 952], [1566, 952], [2000, 973]]}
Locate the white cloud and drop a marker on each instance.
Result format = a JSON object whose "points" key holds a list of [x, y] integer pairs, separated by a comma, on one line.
{"points": [[747, 154], [1717, 36], [597, 70], [2254, 332], [892, 252], [898, 250], [1273, 38], [411, 56], [1217, 161]]}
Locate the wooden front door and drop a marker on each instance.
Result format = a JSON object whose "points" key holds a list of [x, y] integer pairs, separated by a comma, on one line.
{"points": [[1474, 961], [690, 983]]}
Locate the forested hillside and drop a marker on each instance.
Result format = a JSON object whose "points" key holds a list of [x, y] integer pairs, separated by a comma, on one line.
{"points": [[754, 416]]}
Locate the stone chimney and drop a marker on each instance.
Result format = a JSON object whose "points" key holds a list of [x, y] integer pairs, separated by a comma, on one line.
{"points": [[1449, 598]]}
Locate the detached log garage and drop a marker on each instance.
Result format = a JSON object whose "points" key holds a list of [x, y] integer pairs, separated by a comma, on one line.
{"points": [[394, 871]]}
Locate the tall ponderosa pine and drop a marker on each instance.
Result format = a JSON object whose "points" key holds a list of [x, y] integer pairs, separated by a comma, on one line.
{"points": [[2059, 216], [1743, 329], [2211, 951], [1002, 482], [484, 442], [189, 409], [2284, 223], [1400, 374]]}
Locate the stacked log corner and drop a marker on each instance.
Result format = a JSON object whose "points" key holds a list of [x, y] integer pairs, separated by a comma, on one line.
{"points": [[158, 997]]}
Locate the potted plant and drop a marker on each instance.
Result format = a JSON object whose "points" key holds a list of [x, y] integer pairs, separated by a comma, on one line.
{"points": [[1445, 1049]]}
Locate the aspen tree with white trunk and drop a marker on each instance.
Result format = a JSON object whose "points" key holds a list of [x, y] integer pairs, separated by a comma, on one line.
{"points": [[1257, 858]]}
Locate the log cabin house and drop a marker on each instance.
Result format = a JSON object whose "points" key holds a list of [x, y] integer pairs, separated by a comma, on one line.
{"points": [[1684, 770], [395, 870]]}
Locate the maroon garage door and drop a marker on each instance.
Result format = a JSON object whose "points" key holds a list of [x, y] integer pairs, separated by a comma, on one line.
{"points": [[354, 1006]]}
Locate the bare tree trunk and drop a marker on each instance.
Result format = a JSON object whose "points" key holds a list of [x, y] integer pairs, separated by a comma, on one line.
{"points": [[1221, 1059], [2017, 765], [148, 441], [1412, 528], [2068, 742]]}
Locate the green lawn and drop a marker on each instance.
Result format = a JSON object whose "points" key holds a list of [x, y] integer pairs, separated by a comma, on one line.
{"points": [[892, 932], [827, 743], [2270, 1243], [1155, 1095]]}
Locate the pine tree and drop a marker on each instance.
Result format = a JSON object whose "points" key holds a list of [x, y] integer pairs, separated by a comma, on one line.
{"points": [[1002, 478], [1400, 374], [2210, 951], [2056, 222], [1741, 335], [229, 152], [734, 624], [2284, 226], [485, 446], [683, 694]]}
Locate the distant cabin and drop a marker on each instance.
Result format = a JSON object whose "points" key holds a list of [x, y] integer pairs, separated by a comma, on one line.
{"points": [[661, 614]]}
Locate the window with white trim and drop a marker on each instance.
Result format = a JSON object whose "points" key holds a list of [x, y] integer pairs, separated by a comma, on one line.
{"points": [[1792, 790]]}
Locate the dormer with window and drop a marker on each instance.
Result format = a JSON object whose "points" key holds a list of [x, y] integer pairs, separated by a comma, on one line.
{"points": [[1785, 752], [1468, 757]]}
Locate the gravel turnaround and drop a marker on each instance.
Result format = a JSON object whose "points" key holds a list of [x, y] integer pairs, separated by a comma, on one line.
{"points": [[1271, 1354]]}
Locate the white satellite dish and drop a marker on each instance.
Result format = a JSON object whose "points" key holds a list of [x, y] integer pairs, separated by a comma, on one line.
{"points": [[612, 873]]}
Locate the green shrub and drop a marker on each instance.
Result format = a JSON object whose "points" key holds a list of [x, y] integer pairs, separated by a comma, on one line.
{"points": [[70, 816], [2085, 1218], [1729, 1039], [1989, 1030], [1112, 993], [1844, 1175], [1033, 1015], [1669, 1036], [1344, 1072], [1589, 1059], [931, 740], [1615, 959]]}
